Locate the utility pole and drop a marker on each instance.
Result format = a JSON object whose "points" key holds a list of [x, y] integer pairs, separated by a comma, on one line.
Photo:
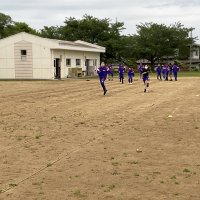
{"points": [[191, 51]]}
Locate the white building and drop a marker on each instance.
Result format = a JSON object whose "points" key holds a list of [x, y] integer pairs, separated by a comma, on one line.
{"points": [[26, 56], [195, 51]]}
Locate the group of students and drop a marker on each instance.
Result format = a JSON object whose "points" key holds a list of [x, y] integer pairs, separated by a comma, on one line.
{"points": [[104, 70], [165, 72]]}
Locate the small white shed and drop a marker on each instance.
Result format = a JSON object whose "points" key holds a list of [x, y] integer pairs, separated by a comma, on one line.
{"points": [[26, 56]]}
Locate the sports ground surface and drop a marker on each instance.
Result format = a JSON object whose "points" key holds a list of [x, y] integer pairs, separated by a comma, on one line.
{"points": [[64, 140]]}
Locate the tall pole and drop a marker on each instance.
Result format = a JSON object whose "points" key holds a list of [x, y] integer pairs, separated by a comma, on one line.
{"points": [[191, 51]]}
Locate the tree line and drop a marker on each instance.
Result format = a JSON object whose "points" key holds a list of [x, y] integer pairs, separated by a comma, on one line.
{"points": [[152, 41]]}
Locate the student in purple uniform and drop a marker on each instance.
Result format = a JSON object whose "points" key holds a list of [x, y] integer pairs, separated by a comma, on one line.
{"points": [[121, 71], [163, 72], [102, 72], [158, 72], [145, 77], [175, 71], [140, 69], [130, 75], [170, 71], [166, 72]]}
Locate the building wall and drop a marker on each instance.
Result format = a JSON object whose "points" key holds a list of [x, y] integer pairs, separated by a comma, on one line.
{"points": [[7, 64], [195, 52], [38, 64], [23, 63], [73, 55], [41, 55], [42, 62]]}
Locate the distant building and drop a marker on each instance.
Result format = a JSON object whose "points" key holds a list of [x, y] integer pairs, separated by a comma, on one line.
{"points": [[26, 56], [143, 61]]}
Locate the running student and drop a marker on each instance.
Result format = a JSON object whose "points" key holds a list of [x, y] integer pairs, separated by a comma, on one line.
{"points": [[102, 72], [145, 77], [121, 71], [140, 69], [130, 75]]}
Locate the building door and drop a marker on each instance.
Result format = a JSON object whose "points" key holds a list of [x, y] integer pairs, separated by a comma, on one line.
{"points": [[87, 67], [57, 68], [90, 66]]}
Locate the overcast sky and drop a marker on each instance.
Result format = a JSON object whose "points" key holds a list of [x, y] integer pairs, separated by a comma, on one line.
{"points": [[40, 13]]}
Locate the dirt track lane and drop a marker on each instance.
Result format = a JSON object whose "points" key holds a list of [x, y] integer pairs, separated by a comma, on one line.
{"points": [[89, 146]]}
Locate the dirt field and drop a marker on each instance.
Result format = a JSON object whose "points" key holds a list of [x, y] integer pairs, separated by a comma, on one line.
{"points": [[64, 140]]}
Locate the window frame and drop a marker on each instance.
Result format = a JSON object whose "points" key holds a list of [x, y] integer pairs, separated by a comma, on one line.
{"points": [[23, 53], [68, 59], [78, 62]]}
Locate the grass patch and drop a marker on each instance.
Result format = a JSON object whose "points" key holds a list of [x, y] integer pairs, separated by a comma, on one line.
{"points": [[41, 193], [49, 164], [136, 174], [133, 162], [36, 183], [173, 177], [189, 74], [12, 184], [115, 163], [38, 136], [162, 182], [109, 188], [186, 170], [78, 194], [115, 172], [19, 138], [125, 154]]}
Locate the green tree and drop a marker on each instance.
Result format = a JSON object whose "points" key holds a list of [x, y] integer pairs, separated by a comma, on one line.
{"points": [[52, 32], [18, 27], [9, 27], [93, 30], [5, 22], [89, 29], [155, 41]]}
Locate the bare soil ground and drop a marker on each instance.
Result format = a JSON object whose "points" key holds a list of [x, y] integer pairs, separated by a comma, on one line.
{"points": [[64, 140]]}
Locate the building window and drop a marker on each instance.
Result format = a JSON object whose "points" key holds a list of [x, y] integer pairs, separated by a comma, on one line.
{"points": [[23, 54], [68, 62], [78, 62]]}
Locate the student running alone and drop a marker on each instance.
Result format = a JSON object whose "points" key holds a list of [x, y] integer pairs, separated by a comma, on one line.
{"points": [[102, 72], [145, 77]]}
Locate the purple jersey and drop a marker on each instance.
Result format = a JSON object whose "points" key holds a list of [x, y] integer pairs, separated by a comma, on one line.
{"points": [[175, 68], [158, 69], [102, 72], [130, 72], [121, 70], [145, 74]]}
